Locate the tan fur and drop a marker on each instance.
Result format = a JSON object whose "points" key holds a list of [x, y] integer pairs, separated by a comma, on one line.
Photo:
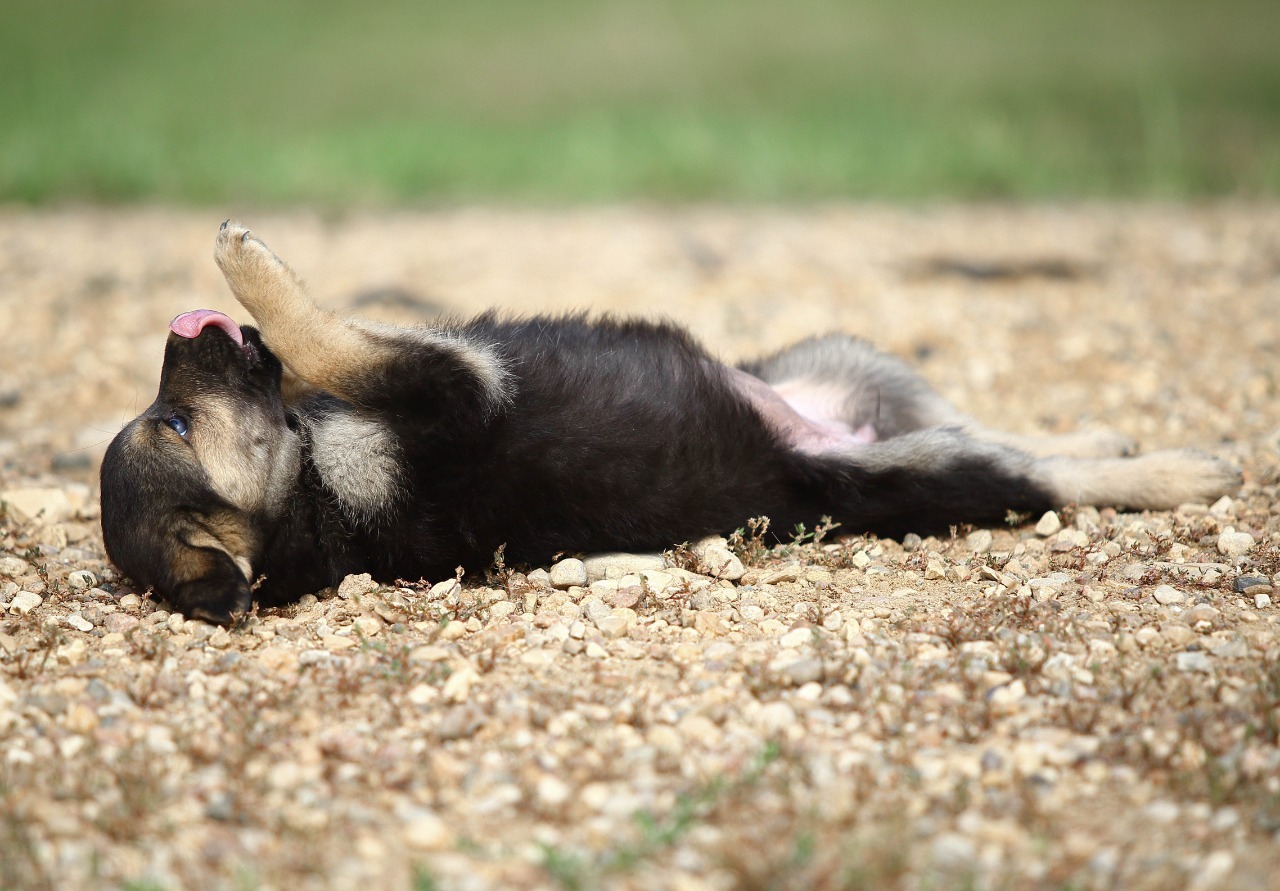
{"points": [[1158, 481], [318, 346], [359, 460]]}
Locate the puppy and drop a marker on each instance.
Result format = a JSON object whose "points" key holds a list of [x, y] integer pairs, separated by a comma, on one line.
{"points": [[411, 451]]}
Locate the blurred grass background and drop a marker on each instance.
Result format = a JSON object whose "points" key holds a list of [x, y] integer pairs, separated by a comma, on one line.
{"points": [[329, 102]]}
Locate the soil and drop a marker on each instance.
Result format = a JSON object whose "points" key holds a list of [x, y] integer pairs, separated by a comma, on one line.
{"points": [[1095, 706]]}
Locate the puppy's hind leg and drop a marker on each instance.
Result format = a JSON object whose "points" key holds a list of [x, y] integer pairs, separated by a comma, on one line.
{"points": [[356, 360], [1158, 481]]}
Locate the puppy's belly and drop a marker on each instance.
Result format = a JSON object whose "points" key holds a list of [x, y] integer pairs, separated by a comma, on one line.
{"points": [[806, 419]]}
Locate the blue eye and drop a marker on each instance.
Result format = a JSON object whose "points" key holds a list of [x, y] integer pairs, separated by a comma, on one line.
{"points": [[179, 426]]}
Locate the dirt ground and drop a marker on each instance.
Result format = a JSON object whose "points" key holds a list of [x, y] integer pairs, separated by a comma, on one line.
{"points": [[1090, 706]]}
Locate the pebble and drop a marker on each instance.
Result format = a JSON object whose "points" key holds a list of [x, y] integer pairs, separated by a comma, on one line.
{"points": [[616, 565], [616, 623], [1240, 585], [1168, 595], [120, 623], [980, 542], [720, 562], [37, 505], [774, 717], [424, 831], [131, 602], [568, 573], [14, 567], [81, 580], [356, 586], [78, 622], [1234, 544], [1262, 600], [24, 602], [1194, 662], [1049, 524]]}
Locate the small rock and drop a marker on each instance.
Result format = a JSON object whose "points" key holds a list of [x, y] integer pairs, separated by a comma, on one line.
{"points": [[356, 586], [1201, 613], [774, 716], [120, 623], [616, 622], [616, 565], [78, 622], [795, 671], [81, 580], [1195, 661], [1049, 524], [539, 578], [459, 722], [448, 591], [568, 573], [911, 542], [720, 562], [131, 602], [424, 831], [458, 687], [1234, 544], [789, 573], [1168, 595], [502, 609], [626, 597], [980, 542], [595, 651], [13, 567], [1240, 585], [24, 602], [37, 505], [1261, 600]]}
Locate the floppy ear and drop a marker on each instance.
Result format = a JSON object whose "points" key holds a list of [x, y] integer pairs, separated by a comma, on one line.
{"points": [[206, 584]]}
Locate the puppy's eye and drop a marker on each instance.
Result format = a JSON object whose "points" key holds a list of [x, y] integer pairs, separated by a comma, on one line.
{"points": [[179, 426]]}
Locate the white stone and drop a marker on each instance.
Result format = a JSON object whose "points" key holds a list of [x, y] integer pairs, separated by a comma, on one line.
{"points": [[81, 580], [775, 716], [37, 505], [980, 542], [1194, 662], [24, 602], [1234, 544], [78, 622], [1168, 595], [616, 565], [1049, 524], [424, 831], [720, 562], [568, 573], [356, 586], [14, 567], [1262, 601]]}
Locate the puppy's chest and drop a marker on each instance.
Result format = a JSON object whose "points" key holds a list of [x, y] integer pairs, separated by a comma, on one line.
{"points": [[360, 461]]}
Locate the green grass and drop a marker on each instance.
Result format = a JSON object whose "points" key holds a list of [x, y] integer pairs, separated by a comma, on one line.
{"points": [[565, 100]]}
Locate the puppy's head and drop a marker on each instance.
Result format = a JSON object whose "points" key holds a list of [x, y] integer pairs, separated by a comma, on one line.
{"points": [[192, 485]]}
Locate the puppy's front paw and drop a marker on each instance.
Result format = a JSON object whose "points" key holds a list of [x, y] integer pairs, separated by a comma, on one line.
{"points": [[217, 600], [258, 278]]}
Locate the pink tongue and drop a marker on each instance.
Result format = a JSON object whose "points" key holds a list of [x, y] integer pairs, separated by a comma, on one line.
{"points": [[190, 324]]}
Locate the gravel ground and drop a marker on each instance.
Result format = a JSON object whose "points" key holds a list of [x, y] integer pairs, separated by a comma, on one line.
{"points": [[1089, 700]]}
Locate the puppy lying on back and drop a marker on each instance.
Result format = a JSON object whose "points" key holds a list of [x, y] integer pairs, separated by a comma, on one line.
{"points": [[416, 450]]}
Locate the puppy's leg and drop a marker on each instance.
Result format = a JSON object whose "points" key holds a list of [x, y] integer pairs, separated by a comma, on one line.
{"points": [[356, 360], [1158, 481], [927, 480], [839, 378], [1079, 444]]}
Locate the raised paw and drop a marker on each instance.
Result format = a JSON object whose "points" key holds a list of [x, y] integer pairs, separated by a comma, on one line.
{"points": [[259, 279]]}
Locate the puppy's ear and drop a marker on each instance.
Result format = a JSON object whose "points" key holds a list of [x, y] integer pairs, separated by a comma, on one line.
{"points": [[207, 584]]}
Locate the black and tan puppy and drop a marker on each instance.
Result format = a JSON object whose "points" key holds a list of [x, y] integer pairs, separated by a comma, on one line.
{"points": [[415, 450]]}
